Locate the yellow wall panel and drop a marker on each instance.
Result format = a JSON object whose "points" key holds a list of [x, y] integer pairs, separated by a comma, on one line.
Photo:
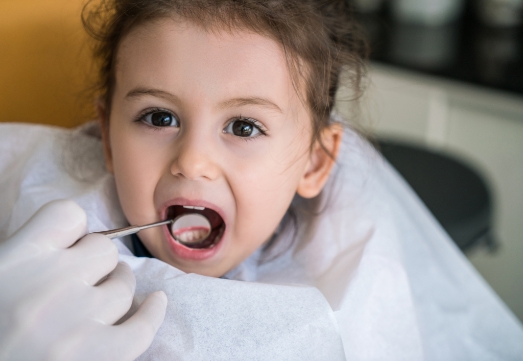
{"points": [[45, 63]]}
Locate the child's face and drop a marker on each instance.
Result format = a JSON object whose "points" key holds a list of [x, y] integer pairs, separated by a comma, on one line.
{"points": [[230, 134]]}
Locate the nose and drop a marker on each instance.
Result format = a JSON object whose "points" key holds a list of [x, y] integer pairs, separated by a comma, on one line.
{"points": [[194, 158]]}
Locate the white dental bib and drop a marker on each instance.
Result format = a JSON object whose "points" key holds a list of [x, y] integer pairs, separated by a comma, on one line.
{"points": [[369, 275]]}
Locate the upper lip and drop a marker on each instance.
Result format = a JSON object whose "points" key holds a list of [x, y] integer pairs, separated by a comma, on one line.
{"points": [[180, 201]]}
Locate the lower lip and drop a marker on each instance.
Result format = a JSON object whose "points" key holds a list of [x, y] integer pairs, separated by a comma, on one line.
{"points": [[191, 254]]}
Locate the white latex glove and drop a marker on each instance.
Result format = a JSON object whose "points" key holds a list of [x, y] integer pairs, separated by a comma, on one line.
{"points": [[53, 305]]}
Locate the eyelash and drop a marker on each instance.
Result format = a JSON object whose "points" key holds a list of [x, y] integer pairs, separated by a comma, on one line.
{"points": [[254, 122], [143, 114]]}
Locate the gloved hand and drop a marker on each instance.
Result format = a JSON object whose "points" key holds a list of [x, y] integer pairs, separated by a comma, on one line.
{"points": [[59, 299]]}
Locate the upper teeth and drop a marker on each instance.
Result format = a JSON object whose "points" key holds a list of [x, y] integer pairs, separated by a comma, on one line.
{"points": [[194, 207]]}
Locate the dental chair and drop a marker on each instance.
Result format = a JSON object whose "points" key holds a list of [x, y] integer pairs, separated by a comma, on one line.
{"points": [[453, 191]]}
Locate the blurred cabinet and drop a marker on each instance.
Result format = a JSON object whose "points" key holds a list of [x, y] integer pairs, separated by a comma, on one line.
{"points": [[484, 128]]}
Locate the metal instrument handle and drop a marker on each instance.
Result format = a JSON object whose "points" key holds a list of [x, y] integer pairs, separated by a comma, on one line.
{"points": [[121, 232]]}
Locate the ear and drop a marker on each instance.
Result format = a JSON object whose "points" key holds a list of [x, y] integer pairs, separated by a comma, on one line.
{"points": [[321, 161], [103, 119]]}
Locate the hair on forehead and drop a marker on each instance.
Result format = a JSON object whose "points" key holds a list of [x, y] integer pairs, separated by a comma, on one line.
{"points": [[319, 38]]}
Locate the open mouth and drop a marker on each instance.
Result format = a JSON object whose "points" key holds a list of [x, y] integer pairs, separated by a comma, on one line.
{"points": [[197, 236]]}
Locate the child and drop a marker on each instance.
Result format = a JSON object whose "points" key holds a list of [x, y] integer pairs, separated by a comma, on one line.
{"points": [[225, 108]]}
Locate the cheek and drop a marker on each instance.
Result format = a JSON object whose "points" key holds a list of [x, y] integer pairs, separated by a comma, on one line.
{"points": [[261, 205], [278, 161], [265, 186], [136, 172]]}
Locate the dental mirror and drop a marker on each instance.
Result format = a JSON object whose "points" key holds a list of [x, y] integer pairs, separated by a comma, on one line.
{"points": [[187, 228], [190, 228]]}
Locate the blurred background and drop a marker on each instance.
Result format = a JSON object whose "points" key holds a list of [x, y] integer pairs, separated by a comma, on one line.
{"points": [[45, 63], [444, 102]]}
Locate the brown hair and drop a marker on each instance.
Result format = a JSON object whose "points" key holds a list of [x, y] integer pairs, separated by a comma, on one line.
{"points": [[319, 38]]}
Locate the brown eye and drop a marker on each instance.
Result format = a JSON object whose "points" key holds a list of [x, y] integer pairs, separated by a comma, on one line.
{"points": [[242, 128], [161, 119]]}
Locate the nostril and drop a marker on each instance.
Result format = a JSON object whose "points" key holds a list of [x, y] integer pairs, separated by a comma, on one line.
{"points": [[195, 166]]}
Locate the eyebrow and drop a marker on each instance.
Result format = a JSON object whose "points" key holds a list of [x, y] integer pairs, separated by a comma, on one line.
{"points": [[138, 92], [236, 102]]}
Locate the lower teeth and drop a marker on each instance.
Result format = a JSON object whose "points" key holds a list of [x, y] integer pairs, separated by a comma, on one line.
{"points": [[192, 236], [194, 230], [198, 238]]}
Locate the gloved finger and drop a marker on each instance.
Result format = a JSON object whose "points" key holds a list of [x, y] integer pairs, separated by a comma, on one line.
{"points": [[135, 335], [57, 224], [124, 342], [115, 294], [91, 258]]}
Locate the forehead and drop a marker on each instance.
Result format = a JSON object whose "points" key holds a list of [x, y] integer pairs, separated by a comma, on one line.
{"points": [[174, 54]]}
